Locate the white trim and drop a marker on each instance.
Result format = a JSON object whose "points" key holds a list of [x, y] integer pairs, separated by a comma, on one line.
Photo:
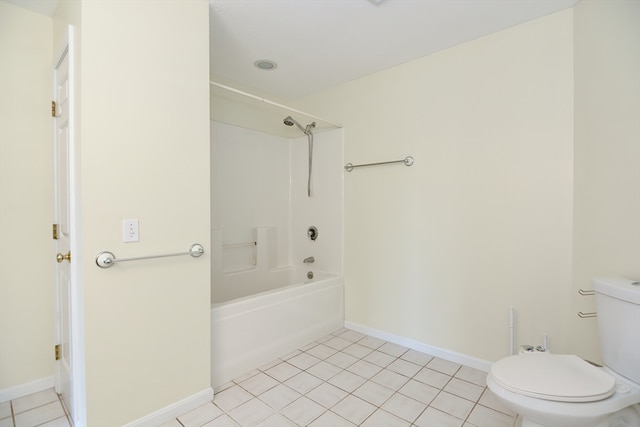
{"points": [[452, 356], [174, 410], [11, 393]]}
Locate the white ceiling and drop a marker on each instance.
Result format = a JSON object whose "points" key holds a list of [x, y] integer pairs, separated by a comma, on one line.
{"points": [[318, 44]]}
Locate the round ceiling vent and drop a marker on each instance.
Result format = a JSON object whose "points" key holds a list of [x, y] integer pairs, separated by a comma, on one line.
{"points": [[265, 64]]}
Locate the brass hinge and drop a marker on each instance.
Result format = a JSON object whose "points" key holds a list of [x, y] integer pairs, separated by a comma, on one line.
{"points": [[55, 231], [57, 351], [53, 108]]}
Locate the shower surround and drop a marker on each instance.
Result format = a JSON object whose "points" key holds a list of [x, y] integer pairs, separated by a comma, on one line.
{"points": [[261, 214]]}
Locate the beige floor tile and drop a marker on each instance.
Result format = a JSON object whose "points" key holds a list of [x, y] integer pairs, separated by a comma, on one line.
{"points": [[404, 407], [258, 384], [251, 412], [354, 409], [276, 420], [5, 409], [303, 382], [364, 369], [39, 415], [330, 419], [231, 398], [34, 400], [279, 396], [381, 418], [472, 375], [484, 417], [327, 395], [433, 378], [347, 381], [303, 411], [373, 393], [324, 370], [390, 379], [419, 391], [432, 417], [464, 389], [200, 415], [452, 405], [445, 366]]}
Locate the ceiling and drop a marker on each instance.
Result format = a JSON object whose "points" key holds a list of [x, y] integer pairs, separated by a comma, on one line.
{"points": [[318, 44]]}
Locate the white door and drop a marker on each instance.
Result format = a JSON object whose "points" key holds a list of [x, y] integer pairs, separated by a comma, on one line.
{"points": [[63, 228]]}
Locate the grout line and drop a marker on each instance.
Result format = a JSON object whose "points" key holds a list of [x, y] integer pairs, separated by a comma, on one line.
{"points": [[337, 334]]}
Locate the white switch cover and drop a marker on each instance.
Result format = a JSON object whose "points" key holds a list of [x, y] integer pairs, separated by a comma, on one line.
{"points": [[130, 230]]}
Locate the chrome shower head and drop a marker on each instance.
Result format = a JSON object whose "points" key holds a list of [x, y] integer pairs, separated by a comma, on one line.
{"points": [[290, 121]]}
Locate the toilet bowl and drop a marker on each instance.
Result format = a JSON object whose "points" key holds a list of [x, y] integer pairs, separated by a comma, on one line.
{"points": [[560, 390]]}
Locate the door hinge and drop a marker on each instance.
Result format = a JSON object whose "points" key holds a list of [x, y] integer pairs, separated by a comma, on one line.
{"points": [[53, 108], [55, 231], [57, 351]]}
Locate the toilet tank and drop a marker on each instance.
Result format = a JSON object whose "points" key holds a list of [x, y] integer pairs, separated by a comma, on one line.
{"points": [[618, 307]]}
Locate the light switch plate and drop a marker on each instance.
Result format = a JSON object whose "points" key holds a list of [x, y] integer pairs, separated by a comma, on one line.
{"points": [[130, 230]]}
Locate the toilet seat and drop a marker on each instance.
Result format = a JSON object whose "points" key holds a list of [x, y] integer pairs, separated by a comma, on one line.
{"points": [[556, 377]]}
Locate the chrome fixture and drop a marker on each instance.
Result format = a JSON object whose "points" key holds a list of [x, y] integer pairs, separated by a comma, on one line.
{"points": [[107, 259], [408, 161], [310, 275], [308, 260], [312, 233], [290, 121]]}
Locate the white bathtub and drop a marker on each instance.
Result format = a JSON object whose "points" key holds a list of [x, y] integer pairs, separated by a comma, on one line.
{"points": [[249, 332]]}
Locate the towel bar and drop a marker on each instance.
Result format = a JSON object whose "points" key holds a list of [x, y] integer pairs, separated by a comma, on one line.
{"points": [[106, 259]]}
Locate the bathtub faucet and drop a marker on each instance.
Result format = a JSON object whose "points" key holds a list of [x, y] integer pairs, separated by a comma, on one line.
{"points": [[308, 260]]}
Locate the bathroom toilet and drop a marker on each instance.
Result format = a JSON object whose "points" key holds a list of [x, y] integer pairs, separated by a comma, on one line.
{"points": [[561, 390]]}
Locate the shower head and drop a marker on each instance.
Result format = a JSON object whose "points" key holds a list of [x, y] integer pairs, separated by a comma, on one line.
{"points": [[290, 121]]}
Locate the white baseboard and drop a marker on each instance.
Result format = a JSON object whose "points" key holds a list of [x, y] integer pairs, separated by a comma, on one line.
{"points": [[174, 410], [452, 356], [11, 393]]}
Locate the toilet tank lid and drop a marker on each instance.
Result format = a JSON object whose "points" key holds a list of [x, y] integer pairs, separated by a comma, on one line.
{"points": [[620, 288]]}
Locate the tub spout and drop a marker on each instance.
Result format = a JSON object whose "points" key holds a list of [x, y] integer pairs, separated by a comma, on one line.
{"points": [[308, 260]]}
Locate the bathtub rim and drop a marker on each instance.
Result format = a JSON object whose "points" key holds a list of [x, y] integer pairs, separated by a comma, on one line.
{"points": [[293, 289]]}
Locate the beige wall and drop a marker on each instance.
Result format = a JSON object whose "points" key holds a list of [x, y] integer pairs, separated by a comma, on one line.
{"points": [[482, 221], [607, 149], [26, 170], [145, 155]]}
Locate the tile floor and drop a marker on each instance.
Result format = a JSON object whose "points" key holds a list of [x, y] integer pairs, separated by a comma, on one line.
{"points": [[343, 379], [38, 409], [350, 379]]}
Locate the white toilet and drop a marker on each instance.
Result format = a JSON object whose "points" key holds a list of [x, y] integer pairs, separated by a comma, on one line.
{"points": [[561, 390]]}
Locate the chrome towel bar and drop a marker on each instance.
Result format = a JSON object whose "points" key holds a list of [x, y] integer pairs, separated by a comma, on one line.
{"points": [[106, 259], [587, 315], [408, 161]]}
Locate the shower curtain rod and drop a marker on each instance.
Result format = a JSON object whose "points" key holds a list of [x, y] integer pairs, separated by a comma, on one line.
{"points": [[275, 104]]}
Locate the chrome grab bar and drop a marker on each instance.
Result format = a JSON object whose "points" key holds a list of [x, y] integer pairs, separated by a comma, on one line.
{"points": [[106, 259], [408, 161]]}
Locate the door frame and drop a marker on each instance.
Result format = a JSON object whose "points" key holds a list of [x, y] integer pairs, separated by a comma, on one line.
{"points": [[76, 303]]}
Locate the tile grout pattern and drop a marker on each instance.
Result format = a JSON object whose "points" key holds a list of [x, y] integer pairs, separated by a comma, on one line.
{"points": [[344, 379], [350, 379], [44, 408]]}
